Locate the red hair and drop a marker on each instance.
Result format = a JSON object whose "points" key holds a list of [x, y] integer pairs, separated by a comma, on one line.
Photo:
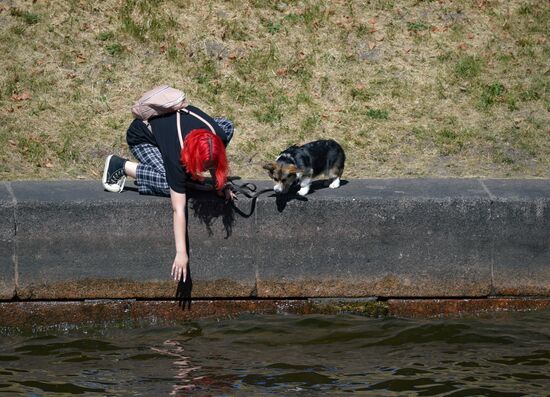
{"points": [[200, 146]]}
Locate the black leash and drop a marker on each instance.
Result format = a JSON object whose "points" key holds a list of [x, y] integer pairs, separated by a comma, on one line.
{"points": [[247, 189]]}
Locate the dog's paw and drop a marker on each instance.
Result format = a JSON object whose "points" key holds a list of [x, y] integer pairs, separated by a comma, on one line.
{"points": [[303, 191], [335, 183]]}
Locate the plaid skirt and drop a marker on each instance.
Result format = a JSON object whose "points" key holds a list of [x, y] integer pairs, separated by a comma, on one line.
{"points": [[150, 173]]}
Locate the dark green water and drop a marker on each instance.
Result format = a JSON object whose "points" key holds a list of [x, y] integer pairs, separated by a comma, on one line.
{"points": [[285, 355]]}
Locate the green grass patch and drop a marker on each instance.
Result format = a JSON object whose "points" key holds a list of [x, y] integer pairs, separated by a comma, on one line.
{"points": [[206, 71], [114, 49], [304, 98], [311, 123], [274, 27], [360, 93], [104, 36], [28, 17], [241, 92], [538, 88], [173, 54], [468, 67], [491, 93], [378, 114], [417, 26], [256, 64], [270, 114], [33, 148], [69, 149], [315, 15], [448, 140]]}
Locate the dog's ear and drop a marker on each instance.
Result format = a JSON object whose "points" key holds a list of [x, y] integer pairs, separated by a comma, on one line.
{"points": [[292, 169], [269, 166]]}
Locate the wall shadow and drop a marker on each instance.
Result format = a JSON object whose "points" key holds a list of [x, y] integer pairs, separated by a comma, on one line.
{"points": [[183, 291], [322, 184], [207, 208], [185, 288], [281, 200]]}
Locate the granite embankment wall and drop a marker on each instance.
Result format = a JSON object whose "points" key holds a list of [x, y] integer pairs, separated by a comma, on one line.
{"points": [[71, 240]]}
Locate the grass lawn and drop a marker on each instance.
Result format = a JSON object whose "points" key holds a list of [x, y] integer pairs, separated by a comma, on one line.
{"points": [[409, 88]]}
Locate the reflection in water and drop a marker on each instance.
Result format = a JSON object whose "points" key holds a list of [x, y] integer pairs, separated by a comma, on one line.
{"points": [[181, 364], [285, 355]]}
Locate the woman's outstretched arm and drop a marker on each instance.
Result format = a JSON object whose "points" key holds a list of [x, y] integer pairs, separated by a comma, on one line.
{"points": [[179, 267]]}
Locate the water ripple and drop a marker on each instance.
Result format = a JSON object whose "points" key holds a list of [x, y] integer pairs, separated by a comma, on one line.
{"points": [[286, 355]]}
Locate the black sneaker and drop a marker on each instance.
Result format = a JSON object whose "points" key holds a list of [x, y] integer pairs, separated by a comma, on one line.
{"points": [[113, 174]]}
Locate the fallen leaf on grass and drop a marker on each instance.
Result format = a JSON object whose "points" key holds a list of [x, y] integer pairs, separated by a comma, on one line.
{"points": [[80, 58], [21, 97], [371, 45], [438, 29], [481, 4], [471, 36], [48, 164], [345, 22], [462, 46], [12, 143]]}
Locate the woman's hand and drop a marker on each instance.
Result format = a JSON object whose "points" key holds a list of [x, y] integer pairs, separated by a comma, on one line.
{"points": [[179, 268], [227, 193]]}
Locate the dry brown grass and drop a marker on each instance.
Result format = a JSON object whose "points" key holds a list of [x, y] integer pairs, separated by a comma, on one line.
{"points": [[409, 88]]}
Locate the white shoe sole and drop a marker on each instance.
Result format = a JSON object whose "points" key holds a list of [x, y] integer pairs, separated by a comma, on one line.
{"points": [[114, 187]]}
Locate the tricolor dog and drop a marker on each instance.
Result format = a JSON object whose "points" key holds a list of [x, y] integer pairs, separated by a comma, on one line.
{"points": [[300, 164]]}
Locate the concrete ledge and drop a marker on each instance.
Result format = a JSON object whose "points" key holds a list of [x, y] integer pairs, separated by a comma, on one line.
{"points": [[386, 238], [8, 267], [33, 316]]}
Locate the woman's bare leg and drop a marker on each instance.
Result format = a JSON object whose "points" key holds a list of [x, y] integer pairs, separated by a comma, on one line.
{"points": [[130, 168]]}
